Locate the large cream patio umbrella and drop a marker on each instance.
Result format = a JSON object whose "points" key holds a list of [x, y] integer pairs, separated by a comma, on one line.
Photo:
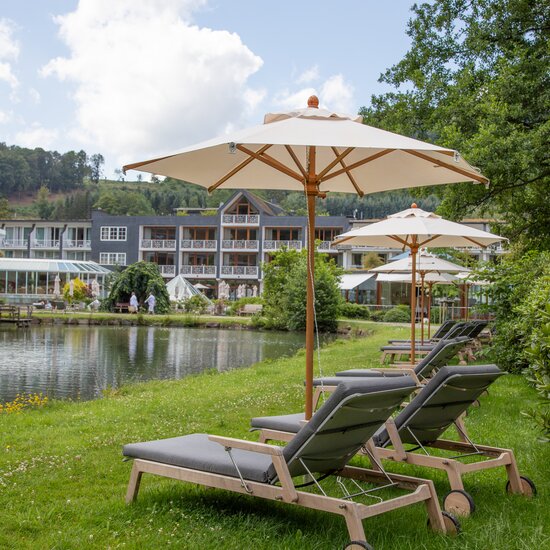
{"points": [[426, 264], [314, 151], [413, 229]]}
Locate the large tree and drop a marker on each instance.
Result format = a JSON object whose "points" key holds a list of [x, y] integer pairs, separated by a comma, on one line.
{"points": [[477, 79]]}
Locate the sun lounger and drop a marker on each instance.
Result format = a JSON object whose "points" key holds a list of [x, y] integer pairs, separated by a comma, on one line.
{"points": [[436, 337], [321, 447], [439, 405]]}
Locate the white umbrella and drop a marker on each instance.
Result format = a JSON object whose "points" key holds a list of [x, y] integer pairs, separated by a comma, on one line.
{"points": [[415, 228], [425, 264], [314, 151], [57, 286], [71, 288], [95, 288]]}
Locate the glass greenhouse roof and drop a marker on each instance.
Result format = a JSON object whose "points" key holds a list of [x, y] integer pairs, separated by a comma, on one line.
{"points": [[51, 266]]}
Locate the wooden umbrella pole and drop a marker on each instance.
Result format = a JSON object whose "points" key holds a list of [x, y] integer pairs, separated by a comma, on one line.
{"points": [[414, 250], [430, 288], [312, 192], [422, 275]]}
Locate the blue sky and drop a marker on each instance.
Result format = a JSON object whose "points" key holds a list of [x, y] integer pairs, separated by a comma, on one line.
{"points": [[132, 79]]}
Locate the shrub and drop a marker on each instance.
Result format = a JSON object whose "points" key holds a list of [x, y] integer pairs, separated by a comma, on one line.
{"points": [[237, 304], [197, 304], [399, 314], [354, 311], [80, 291], [377, 315]]}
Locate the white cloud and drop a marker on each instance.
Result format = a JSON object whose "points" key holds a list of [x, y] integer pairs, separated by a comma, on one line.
{"points": [[334, 93], [147, 80], [9, 51], [35, 96], [309, 75], [37, 136], [337, 94], [5, 117]]}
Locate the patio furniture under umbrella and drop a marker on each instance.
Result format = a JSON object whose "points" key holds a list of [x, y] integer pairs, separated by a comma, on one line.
{"points": [[415, 228], [314, 151], [425, 264]]}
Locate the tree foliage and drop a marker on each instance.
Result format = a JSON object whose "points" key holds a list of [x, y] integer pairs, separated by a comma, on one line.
{"points": [[476, 79], [142, 278], [80, 291], [285, 289], [119, 202]]}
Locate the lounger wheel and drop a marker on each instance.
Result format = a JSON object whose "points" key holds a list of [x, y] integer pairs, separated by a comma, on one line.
{"points": [[459, 502], [528, 487], [361, 543], [452, 525]]}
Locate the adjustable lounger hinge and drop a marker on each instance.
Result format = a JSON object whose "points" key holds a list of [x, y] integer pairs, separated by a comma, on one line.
{"points": [[244, 485]]}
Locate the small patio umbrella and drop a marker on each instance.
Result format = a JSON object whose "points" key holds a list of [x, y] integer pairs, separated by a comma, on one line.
{"points": [[314, 151], [415, 228], [425, 264], [95, 288], [71, 288], [57, 286]]}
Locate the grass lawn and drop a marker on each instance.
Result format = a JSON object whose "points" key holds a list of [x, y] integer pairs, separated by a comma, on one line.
{"points": [[62, 480]]}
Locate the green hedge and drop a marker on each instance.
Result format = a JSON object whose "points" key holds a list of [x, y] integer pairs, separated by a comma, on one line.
{"points": [[354, 311]]}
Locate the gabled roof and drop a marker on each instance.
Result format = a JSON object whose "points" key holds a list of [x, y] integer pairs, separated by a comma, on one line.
{"points": [[262, 205]]}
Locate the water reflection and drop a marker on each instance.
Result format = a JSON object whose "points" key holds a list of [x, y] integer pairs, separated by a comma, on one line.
{"points": [[79, 362]]}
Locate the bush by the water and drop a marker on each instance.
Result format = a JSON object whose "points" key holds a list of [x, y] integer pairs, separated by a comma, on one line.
{"points": [[398, 314], [196, 304], [354, 311], [285, 288], [238, 304]]}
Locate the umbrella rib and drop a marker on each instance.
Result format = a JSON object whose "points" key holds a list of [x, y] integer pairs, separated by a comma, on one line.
{"points": [[296, 161], [270, 161], [475, 242], [356, 164], [343, 164], [238, 168], [339, 158], [476, 177]]}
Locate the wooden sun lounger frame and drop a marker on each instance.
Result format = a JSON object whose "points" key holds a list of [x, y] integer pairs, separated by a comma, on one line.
{"points": [[353, 512]]}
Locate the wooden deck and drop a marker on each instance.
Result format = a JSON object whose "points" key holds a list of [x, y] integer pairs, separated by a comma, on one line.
{"points": [[16, 315]]}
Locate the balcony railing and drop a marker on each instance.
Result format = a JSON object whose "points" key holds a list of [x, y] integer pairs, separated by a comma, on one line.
{"points": [[167, 270], [198, 270], [14, 243], [276, 245], [230, 244], [189, 244], [240, 219], [45, 243], [76, 243], [326, 246], [240, 271], [157, 244]]}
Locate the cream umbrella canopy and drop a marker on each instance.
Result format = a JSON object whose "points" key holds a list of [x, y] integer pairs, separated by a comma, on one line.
{"points": [[415, 228], [426, 264], [314, 151]]}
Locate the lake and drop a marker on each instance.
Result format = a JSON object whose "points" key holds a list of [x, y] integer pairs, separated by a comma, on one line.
{"points": [[80, 362]]}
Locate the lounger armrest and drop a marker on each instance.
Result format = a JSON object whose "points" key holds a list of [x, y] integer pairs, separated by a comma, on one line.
{"points": [[245, 445]]}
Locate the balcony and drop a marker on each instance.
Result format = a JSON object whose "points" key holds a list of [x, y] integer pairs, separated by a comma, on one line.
{"points": [[70, 244], [158, 244], [240, 219], [277, 245], [45, 243], [188, 244], [198, 270], [14, 243], [326, 246], [250, 246], [167, 270], [239, 272]]}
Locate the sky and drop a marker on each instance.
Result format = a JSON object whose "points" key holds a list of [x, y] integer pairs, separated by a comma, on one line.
{"points": [[136, 79]]}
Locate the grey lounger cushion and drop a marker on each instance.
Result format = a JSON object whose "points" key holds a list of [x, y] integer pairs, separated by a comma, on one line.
{"points": [[197, 452], [282, 423]]}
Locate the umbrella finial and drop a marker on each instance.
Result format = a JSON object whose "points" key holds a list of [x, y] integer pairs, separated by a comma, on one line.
{"points": [[413, 205], [313, 102]]}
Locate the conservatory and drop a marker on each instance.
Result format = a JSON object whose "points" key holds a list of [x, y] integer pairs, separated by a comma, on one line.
{"points": [[24, 280]]}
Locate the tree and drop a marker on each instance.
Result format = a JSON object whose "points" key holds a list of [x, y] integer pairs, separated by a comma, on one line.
{"points": [[371, 260], [121, 202], [5, 210], [80, 291], [285, 289], [142, 278], [96, 167], [44, 207], [477, 81]]}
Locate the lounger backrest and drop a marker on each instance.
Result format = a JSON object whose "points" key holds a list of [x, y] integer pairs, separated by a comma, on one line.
{"points": [[448, 394], [477, 328], [456, 331], [443, 352], [348, 419], [443, 329]]}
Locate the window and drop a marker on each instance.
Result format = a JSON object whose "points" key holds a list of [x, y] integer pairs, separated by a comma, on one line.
{"points": [[112, 258], [110, 233]]}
